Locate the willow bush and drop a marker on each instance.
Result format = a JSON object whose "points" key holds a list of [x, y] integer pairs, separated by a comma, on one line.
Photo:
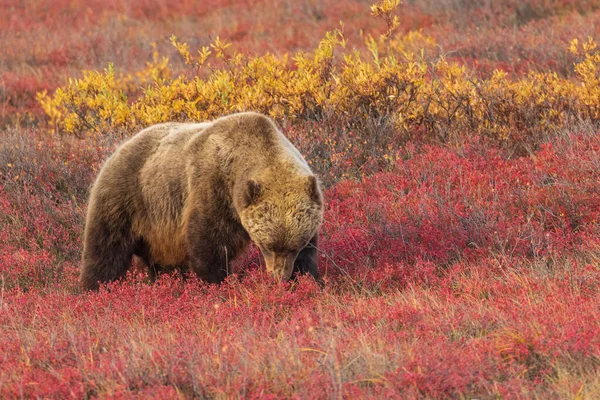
{"points": [[402, 80]]}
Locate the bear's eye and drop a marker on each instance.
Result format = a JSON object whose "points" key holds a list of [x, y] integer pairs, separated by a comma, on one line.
{"points": [[281, 250], [293, 251]]}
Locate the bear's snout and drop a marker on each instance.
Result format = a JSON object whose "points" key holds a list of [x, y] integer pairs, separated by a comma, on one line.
{"points": [[280, 266]]}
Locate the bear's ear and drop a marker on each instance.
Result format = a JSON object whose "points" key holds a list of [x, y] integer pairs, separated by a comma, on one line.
{"points": [[251, 193], [313, 189]]}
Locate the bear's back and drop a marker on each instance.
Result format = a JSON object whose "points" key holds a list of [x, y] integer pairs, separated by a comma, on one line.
{"points": [[253, 138], [163, 176]]}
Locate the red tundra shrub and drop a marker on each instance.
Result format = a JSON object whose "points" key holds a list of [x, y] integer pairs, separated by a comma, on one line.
{"points": [[472, 333], [461, 272], [43, 190], [445, 205], [456, 271]]}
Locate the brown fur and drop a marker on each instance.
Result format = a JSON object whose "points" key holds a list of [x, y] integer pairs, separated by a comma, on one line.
{"points": [[191, 196]]}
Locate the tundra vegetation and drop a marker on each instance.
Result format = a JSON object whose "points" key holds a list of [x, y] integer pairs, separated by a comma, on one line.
{"points": [[458, 145]]}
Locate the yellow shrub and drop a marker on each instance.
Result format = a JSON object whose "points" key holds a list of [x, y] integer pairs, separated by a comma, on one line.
{"points": [[96, 102], [399, 80]]}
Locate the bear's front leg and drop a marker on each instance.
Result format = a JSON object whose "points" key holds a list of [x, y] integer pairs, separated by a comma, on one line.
{"points": [[208, 258], [306, 262]]}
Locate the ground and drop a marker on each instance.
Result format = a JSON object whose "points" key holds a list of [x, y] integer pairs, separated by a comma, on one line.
{"points": [[462, 265]]}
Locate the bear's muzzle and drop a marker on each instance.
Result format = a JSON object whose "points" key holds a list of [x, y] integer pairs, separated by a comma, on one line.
{"points": [[280, 265]]}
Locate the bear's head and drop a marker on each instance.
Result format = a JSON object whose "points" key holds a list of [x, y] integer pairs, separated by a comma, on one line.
{"points": [[281, 215]]}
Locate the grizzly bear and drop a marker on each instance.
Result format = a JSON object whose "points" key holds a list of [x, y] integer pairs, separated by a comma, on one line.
{"points": [[191, 196]]}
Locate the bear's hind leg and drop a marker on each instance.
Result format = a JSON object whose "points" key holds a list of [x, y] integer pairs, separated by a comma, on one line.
{"points": [[106, 255]]}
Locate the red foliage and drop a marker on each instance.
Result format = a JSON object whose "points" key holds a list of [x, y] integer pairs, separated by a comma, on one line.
{"points": [[444, 205], [460, 273]]}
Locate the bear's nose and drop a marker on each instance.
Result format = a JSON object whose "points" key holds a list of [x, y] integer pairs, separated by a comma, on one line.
{"points": [[280, 265]]}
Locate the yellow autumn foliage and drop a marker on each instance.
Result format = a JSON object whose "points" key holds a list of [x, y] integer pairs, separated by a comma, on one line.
{"points": [[400, 79]]}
